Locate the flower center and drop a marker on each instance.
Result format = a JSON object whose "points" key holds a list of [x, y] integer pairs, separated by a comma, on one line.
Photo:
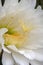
{"points": [[17, 31]]}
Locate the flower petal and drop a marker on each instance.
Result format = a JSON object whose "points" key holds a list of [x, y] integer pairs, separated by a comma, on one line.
{"points": [[35, 37], [28, 54], [34, 62], [39, 54], [14, 6], [12, 2], [20, 59], [5, 49], [36, 54], [7, 59], [3, 30], [12, 48], [33, 2], [27, 4], [0, 48]]}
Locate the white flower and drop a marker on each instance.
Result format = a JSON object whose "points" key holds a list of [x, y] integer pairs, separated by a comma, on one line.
{"points": [[21, 33]]}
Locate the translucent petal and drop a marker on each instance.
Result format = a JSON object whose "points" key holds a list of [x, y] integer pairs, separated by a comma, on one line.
{"points": [[35, 37], [30, 18], [35, 54], [34, 62], [7, 59], [3, 30], [5, 49], [39, 54], [14, 6], [20, 59], [27, 4]]}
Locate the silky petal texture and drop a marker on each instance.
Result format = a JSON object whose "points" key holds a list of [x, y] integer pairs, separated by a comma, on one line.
{"points": [[35, 34], [33, 55], [36, 37], [2, 31], [5, 49], [14, 6], [12, 47], [20, 59], [27, 4], [7, 59], [35, 40], [29, 54], [8, 6], [34, 62], [39, 54], [0, 48]]}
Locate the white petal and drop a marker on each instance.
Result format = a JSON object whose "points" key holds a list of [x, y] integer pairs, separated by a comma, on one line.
{"points": [[8, 7], [27, 4], [0, 3], [39, 7], [20, 59], [35, 38], [39, 54], [0, 48], [32, 3], [7, 59], [12, 2], [3, 30], [29, 54], [1, 40], [5, 49], [33, 54], [14, 6], [34, 62], [12, 47]]}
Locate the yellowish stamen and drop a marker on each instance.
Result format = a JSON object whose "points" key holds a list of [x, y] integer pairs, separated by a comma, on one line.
{"points": [[13, 36], [15, 39]]}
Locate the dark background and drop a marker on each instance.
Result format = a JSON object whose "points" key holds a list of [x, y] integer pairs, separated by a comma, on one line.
{"points": [[39, 2]]}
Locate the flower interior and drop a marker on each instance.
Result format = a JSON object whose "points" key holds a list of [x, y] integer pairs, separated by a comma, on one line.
{"points": [[17, 31]]}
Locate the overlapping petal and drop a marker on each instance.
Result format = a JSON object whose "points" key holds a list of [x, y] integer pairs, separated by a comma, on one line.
{"points": [[7, 59], [16, 16]]}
